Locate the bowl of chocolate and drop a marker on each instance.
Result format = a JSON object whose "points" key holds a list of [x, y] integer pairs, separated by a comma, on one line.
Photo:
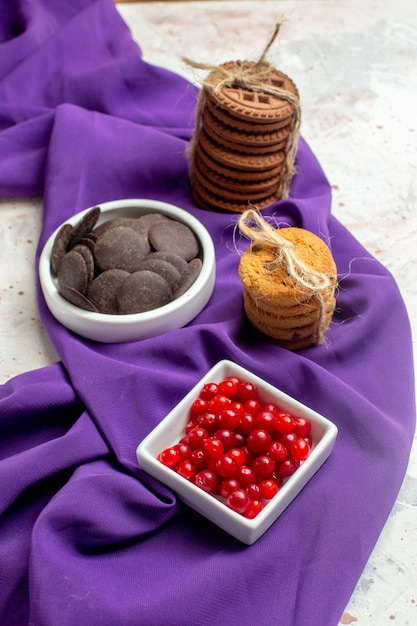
{"points": [[127, 270]]}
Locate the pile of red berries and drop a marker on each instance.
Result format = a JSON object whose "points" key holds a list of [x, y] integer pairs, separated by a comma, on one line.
{"points": [[238, 448]]}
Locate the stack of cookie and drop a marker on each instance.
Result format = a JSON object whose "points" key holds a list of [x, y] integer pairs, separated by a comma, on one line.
{"points": [[241, 149], [277, 305]]}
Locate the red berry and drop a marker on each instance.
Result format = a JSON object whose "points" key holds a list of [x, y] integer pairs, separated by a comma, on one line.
{"points": [[253, 406], [299, 449], [170, 456], [258, 440], [238, 407], [199, 458], [263, 466], [286, 439], [218, 402], [278, 451], [234, 379], [271, 407], [247, 391], [209, 422], [196, 437], [302, 426], [246, 423], [237, 455], [265, 420], [209, 391], [198, 407], [228, 486], [184, 450], [207, 480], [228, 418], [254, 508], [226, 436], [239, 439], [213, 447], [286, 468], [226, 466], [245, 475], [238, 501], [186, 469], [228, 387], [268, 489], [284, 422], [253, 491], [250, 456]]}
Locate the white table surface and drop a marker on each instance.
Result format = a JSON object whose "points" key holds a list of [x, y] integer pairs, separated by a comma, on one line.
{"points": [[354, 63]]}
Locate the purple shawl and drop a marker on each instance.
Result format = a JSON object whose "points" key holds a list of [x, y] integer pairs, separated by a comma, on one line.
{"points": [[86, 538]]}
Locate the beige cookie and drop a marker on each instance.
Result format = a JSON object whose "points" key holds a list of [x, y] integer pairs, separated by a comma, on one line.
{"points": [[313, 331], [304, 316], [275, 302], [267, 279]]}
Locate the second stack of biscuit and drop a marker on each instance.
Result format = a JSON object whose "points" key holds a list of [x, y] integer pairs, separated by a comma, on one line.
{"points": [[279, 306], [244, 142]]}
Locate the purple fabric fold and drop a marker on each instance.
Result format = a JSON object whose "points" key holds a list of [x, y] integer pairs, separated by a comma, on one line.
{"points": [[86, 537]]}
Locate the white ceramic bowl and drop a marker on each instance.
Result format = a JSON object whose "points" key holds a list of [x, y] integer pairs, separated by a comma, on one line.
{"points": [[170, 430], [123, 328]]}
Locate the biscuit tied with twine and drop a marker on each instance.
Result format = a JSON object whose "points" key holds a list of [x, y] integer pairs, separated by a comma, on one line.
{"points": [[254, 227], [309, 280], [252, 77]]}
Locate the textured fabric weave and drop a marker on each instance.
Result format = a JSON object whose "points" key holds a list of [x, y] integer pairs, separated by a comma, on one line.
{"points": [[88, 539]]}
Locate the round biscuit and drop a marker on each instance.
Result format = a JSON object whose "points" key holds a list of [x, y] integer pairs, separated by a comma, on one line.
{"points": [[237, 174], [237, 160], [280, 319], [255, 149], [229, 194], [250, 138], [209, 201], [256, 105], [266, 186], [247, 126], [268, 280], [275, 331]]}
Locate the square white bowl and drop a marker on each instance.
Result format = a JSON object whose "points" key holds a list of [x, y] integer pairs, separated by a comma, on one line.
{"points": [[171, 429]]}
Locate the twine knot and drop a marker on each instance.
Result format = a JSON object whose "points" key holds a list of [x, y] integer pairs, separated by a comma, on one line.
{"points": [[254, 227]]}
